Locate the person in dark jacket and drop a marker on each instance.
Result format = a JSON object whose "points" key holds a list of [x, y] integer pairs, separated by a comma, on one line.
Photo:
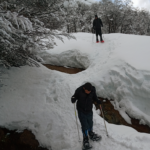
{"points": [[97, 24], [85, 95]]}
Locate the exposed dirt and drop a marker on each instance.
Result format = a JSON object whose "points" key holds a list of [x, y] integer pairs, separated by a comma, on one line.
{"points": [[63, 69], [111, 115], [12, 140]]}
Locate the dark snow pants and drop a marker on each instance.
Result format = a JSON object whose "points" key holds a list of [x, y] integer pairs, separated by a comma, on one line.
{"points": [[86, 121], [99, 32]]}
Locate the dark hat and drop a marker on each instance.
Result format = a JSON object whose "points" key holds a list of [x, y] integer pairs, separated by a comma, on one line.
{"points": [[88, 86], [96, 16]]}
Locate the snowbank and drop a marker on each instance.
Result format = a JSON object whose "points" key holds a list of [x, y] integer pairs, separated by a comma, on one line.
{"points": [[119, 68], [41, 97]]}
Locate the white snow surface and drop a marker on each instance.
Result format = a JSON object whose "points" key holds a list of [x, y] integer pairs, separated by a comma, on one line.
{"points": [[39, 98]]}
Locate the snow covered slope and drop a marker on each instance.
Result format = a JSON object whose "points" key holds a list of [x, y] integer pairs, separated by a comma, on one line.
{"points": [[119, 68], [39, 99]]}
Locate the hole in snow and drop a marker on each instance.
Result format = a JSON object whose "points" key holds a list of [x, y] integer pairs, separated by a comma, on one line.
{"points": [[73, 58], [64, 69]]}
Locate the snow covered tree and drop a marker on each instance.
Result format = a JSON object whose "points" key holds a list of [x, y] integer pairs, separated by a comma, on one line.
{"points": [[121, 16], [23, 25], [141, 23], [70, 16]]}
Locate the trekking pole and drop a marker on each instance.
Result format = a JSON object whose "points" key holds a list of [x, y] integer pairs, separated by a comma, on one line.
{"points": [[93, 34], [103, 37], [104, 120], [92, 37], [76, 122]]}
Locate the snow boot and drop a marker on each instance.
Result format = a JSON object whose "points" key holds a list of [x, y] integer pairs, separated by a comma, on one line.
{"points": [[86, 144], [97, 41], [94, 137]]}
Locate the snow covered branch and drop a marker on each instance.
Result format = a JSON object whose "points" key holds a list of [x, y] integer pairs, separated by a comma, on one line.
{"points": [[23, 27]]}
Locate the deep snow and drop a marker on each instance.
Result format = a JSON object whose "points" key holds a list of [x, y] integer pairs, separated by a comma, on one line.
{"points": [[119, 69], [39, 99]]}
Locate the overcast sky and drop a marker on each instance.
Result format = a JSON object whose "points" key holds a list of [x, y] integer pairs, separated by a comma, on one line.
{"points": [[142, 4]]}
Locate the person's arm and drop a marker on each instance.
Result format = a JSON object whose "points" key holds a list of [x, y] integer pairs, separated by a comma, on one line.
{"points": [[94, 24], [95, 97], [75, 96], [101, 23]]}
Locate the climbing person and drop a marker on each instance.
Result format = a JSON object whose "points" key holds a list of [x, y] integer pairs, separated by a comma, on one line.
{"points": [[85, 95], [97, 24]]}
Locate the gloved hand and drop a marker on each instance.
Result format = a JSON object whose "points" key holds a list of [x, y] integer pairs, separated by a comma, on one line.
{"points": [[73, 99]]}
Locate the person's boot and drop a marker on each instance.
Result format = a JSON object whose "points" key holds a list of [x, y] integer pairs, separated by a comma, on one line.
{"points": [[102, 41], [94, 137], [97, 41], [86, 144]]}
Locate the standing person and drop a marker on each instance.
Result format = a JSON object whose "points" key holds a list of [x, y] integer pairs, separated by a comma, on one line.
{"points": [[97, 24], [85, 95]]}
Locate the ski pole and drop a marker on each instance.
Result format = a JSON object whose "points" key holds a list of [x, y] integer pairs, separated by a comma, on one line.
{"points": [[93, 34], [103, 37], [92, 37], [76, 121], [104, 120]]}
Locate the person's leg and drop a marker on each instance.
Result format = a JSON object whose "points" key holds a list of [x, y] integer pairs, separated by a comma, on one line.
{"points": [[90, 121], [84, 123], [100, 34], [92, 135], [96, 35]]}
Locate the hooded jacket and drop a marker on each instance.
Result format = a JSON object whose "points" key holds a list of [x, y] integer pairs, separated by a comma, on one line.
{"points": [[85, 101], [97, 23]]}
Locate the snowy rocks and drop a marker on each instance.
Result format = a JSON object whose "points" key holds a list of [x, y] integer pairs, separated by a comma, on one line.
{"points": [[12, 140], [112, 115]]}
